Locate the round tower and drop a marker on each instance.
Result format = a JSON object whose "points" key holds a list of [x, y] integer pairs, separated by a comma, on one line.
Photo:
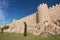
{"points": [[43, 14]]}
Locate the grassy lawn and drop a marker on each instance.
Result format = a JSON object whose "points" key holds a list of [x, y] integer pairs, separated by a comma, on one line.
{"points": [[19, 36]]}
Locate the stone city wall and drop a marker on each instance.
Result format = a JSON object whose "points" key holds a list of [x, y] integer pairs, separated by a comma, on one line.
{"points": [[44, 21]]}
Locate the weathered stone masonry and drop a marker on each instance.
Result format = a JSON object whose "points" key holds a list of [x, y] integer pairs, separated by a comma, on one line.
{"points": [[44, 21]]}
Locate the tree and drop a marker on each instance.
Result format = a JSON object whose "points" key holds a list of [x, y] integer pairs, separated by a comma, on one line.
{"points": [[25, 29], [2, 30], [5, 27]]}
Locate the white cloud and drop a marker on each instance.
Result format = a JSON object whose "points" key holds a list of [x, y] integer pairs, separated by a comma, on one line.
{"points": [[3, 5], [1, 14], [2, 17]]}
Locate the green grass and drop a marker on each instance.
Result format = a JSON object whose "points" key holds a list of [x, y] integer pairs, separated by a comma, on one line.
{"points": [[19, 36]]}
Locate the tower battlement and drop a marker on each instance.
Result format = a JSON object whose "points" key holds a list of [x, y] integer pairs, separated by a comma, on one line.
{"points": [[42, 4]]}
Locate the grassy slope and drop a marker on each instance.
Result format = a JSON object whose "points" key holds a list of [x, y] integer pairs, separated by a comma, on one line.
{"points": [[19, 36]]}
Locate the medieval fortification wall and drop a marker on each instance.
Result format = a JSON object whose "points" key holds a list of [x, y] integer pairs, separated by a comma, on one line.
{"points": [[41, 19]]}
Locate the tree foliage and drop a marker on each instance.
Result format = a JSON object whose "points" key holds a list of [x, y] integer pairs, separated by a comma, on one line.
{"points": [[25, 29], [5, 27]]}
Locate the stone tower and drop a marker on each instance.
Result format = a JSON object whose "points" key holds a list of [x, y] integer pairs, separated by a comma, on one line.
{"points": [[43, 14]]}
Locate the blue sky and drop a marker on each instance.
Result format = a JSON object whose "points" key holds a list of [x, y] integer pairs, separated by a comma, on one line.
{"points": [[16, 9]]}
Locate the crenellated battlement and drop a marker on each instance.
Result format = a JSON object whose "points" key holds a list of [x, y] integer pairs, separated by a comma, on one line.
{"points": [[42, 7], [56, 6], [45, 5], [42, 4]]}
